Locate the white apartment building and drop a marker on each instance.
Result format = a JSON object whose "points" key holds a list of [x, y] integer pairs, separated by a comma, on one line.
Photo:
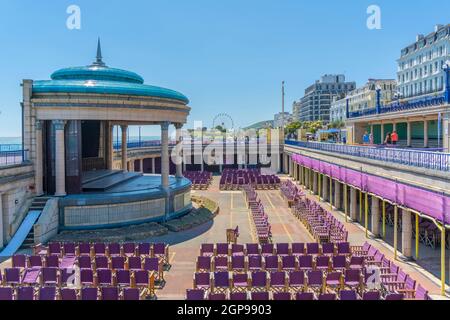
{"points": [[420, 67], [338, 109], [281, 118]]}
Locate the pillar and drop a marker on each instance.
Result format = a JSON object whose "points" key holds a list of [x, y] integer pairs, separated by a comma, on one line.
{"points": [[325, 188], [141, 165], [337, 194], [153, 166], [179, 151], [315, 182], [165, 155], [60, 159], [124, 147], [110, 146], [382, 133], [375, 216], [408, 134], [39, 169], [425, 134], [406, 233], [353, 204], [394, 126]]}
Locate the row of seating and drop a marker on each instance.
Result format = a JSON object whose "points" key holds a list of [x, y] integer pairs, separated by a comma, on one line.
{"points": [[233, 179], [260, 218], [201, 180], [290, 192]]}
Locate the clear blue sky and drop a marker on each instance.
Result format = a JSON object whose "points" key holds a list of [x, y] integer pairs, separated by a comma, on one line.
{"points": [[225, 55]]}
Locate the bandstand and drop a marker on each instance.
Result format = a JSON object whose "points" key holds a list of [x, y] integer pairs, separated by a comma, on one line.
{"points": [[68, 130]]}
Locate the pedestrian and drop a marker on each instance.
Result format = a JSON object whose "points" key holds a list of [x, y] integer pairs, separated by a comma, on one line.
{"points": [[366, 138], [394, 137], [388, 139]]}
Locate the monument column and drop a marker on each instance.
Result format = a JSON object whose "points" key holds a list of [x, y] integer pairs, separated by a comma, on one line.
{"points": [[124, 147], [165, 155], [179, 150], [39, 161], [60, 159]]}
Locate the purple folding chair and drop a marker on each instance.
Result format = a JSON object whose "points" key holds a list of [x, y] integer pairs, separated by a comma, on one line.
{"points": [[87, 277], [144, 249], [217, 296], [421, 293], [258, 281], [19, 261], [395, 296], [47, 293], [52, 261], [89, 294], [327, 296], [99, 249], [254, 263], [305, 262], [252, 249], [352, 279], [123, 278], [69, 249], [109, 293], [84, 262], [222, 249], [113, 249], [117, 263], [161, 250], [84, 249], [240, 281], [101, 262], [142, 279], [54, 249], [237, 250], [334, 279], [238, 296], [221, 282], [204, 264], [35, 262], [12, 276], [282, 296], [282, 249], [315, 280], [68, 294], [278, 282], [298, 249], [128, 249], [25, 293], [267, 249], [328, 249], [323, 263], [202, 280], [271, 263], [207, 250], [31, 276], [238, 264], [356, 263], [50, 276], [348, 295], [220, 263], [6, 294], [296, 280], [288, 263], [312, 248], [104, 277], [130, 294], [371, 295], [339, 263], [304, 296], [343, 248], [155, 264], [134, 263], [195, 294], [260, 296]]}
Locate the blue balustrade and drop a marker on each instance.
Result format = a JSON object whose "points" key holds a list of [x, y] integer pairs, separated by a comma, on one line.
{"points": [[422, 159], [12, 157]]}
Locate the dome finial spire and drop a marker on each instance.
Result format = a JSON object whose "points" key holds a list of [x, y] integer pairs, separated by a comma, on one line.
{"points": [[99, 58]]}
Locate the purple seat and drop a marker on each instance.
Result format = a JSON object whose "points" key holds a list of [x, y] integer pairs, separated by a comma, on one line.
{"points": [[114, 249], [154, 264], [144, 249], [52, 261], [258, 280], [118, 263], [221, 281], [220, 263], [237, 249], [271, 263], [255, 263], [421, 293], [161, 250], [305, 262], [50, 276], [131, 294], [89, 294], [238, 263], [207, 250], [315, 279], [304, 296], [395, 296], [99, 249], [12, 276], [195, 294], [47, 293], [282, 296], [356, 263], [371, 295], [343, 248], [323, 263], [339, 262], [238, 296], [54, 249], [84, 249], [84, 262], [296, 280], [101, 262], [352, 278], [282, 249], [278, 281], [142, 278], [327, 296], [6, 293], [123, 278], [334, 279], [217, 297], [348, 295], [328, 249], [288, 263], [87, 277], [25, 293], [312, 248], [69, 249], [240, 281], [202, 280], [128, 249], [204, 264], [68, 294], [298, 249], [35, 262], [252, 249], [19, 261], [222, 249], [267, 249], [109, 293], [134, 263], [104, 277], [260, 296]]}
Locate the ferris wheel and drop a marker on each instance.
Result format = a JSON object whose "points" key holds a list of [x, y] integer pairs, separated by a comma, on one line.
{"points": [[224, 120]]}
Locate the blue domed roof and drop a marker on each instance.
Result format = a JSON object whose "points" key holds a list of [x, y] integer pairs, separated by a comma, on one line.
{"points": [[98, 78]]}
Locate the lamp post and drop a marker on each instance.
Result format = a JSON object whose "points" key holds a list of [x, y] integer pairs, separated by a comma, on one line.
{"points": [[446, 69], [378, 102]]}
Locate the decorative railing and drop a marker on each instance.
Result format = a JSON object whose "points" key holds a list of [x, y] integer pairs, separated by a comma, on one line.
{"points": [[9, 158], [422, 159]]}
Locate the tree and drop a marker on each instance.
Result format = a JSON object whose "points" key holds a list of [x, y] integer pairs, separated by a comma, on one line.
{"points": [[293, 127], [221, 129]]}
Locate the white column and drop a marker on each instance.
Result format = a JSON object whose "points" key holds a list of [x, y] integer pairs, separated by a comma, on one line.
{"points": [[110, 147], [39, 169], [375, 216], [353, 204], [408, 134], [153, 166], [425, 134], [179, 151], [60, 163], [406, 233], [141, 165], [382, 133], [394, 126], [325, 187], [315, 182], [124, 147], [165, 154], [337, 194]]}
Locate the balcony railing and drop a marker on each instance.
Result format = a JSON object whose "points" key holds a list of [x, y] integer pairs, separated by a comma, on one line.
{"points": [[9, 158], [421, 159]]}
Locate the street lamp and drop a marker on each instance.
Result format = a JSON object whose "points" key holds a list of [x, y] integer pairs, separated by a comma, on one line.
{"points": [[446, 69]]}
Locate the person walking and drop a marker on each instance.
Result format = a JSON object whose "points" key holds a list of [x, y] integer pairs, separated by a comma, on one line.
{"points": [[394, 137], [388, 139], [366, 138]]}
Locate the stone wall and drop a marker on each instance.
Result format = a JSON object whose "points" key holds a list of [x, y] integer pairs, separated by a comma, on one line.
{"points": [[47, 225]]}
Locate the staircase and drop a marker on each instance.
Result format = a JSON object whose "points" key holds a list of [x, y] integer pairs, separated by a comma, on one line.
{"points": [[38, 204]]}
